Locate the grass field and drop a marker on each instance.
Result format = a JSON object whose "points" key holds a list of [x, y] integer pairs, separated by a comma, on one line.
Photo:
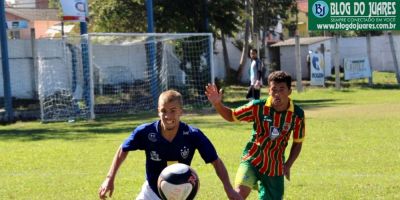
{"points": [[351, 150]]}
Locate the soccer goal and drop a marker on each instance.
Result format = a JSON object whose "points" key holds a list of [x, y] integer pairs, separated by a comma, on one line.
{"points": [[103, 73]]}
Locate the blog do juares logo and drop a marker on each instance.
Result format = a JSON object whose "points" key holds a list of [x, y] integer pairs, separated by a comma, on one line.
{"points": [[366, 8], [320, 9]]}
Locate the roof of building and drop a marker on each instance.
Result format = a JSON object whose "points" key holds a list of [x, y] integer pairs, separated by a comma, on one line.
{"points": [[32, 14], [303, 41]]}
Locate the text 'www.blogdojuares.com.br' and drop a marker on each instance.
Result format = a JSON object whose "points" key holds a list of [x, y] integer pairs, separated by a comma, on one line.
{"points": [[356, 26]]}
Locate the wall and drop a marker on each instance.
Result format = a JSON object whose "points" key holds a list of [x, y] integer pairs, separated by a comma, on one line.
{"points": [[288, 63], [112, 58], [21, 69], [381, 55], [234, 60]]}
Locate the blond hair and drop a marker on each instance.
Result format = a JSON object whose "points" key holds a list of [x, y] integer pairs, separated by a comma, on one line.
{"points": [[170, 96]]}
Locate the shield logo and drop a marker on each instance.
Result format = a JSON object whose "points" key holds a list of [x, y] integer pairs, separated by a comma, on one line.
{"points": [[274, 132]]}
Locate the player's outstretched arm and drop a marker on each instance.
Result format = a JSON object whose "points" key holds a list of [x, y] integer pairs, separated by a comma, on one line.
{"points": [[222, 173], [215, 97], [108, 184]]}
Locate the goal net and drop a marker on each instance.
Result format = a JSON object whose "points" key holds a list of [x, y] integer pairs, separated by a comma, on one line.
{"points": [[64, 79], [103, 73]]}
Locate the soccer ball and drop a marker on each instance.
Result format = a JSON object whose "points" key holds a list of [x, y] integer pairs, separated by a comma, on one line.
{"points": [[178, 182]]}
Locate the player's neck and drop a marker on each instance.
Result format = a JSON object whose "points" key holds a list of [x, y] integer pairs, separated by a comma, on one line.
{"points": [[282, 108], [169, 134]]}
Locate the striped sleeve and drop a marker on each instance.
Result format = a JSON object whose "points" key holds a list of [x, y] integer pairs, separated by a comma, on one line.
{"points": [[299, 129], [244, 113]]}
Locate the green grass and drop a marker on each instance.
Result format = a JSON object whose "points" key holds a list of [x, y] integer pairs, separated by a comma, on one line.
{"points": [[351, 149]]}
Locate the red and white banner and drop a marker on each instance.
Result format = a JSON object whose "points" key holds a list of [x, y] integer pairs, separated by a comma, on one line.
{"points": [[74, 10]]}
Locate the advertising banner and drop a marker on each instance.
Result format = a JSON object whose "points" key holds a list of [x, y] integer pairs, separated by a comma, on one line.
{"points": [[356, 68], [74, 10], [354, 15], [317, 76]]}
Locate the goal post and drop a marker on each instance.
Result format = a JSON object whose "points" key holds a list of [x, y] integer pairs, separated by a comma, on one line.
{"points": [[127, 72]]}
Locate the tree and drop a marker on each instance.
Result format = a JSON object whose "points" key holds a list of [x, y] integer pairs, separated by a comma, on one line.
{"points": [[226, 23], [245, 48], [265, 15], [54, 4], [169, 15], [117, 16]]}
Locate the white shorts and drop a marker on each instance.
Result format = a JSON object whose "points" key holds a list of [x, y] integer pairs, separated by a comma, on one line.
{"points": [[147, 193]]}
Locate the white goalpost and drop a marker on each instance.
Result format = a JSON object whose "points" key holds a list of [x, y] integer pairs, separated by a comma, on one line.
{"points": [[103, 73]]}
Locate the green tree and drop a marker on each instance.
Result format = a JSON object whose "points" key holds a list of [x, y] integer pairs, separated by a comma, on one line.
{"points": [[54, 4], [117, 16], [169, 15], [226, 23], [264, 15]]}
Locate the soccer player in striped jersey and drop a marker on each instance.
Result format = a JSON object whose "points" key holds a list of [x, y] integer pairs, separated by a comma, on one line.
{"points": [[275, 119]]}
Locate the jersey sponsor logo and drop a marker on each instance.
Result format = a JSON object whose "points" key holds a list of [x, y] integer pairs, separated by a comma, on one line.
{"points": [[185, 152], [152, 137], [267, 118], [185, 132], [154, 156], [274, 132]]}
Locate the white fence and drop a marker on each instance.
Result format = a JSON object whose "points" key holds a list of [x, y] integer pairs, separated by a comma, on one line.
{"points": [[24, 75]]}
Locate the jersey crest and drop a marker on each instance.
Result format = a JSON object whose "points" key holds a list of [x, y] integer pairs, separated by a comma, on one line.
{"points": [[274, 132], [152, 137], [185, 152]]}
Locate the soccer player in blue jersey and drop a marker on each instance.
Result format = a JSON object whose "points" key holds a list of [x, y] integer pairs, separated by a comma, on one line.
{"points": [[165, 142]]}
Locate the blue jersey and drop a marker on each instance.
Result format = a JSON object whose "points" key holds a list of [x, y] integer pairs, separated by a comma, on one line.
{"points": [[160, 152]]}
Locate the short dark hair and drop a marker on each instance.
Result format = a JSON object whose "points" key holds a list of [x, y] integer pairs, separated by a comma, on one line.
{"points": [[280, 77], [252, 49], [170, 96]]}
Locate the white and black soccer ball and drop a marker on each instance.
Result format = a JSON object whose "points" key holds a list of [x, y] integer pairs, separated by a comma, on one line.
{"points": [[178, 182]]}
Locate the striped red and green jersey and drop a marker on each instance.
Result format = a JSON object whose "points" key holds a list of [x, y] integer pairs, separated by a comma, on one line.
{"points": [[270, 134]]}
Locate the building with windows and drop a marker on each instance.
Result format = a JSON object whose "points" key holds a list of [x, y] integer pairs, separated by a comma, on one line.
{"points": [[24, 15]]}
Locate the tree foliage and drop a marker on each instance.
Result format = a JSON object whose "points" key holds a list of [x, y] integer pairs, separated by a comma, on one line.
{"points": [[54, 4], [226, 16], [117, 16], [267, 11], [169, 15]]}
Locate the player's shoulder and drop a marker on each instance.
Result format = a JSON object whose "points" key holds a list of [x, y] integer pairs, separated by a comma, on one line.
{"points": [[190, 129], [298, 111], [258, 102], [146, 127]]}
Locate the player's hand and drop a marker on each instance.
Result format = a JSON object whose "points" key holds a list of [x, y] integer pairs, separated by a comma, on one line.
{"points": [[286, 171], [107, 186], [212, 93], [233, 195]]}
